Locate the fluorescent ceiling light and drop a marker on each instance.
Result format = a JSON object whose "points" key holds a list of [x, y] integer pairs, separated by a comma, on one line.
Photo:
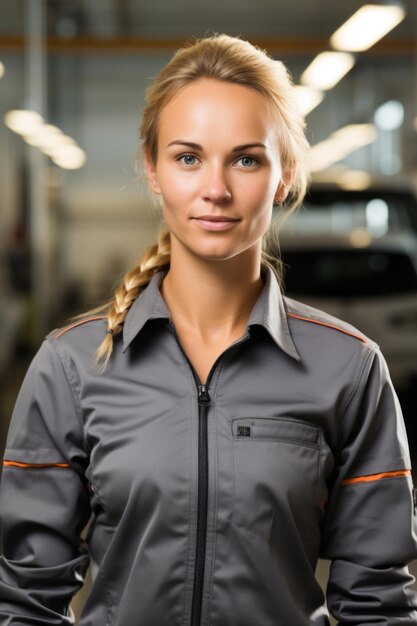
{"points": [[43, 135], [344, 177], [340, 143], [22, 121], [52, 144], [2, 70], [325, 71], [369, 24], [307, 98], [62, 149], [48, 138], [69, 157]]}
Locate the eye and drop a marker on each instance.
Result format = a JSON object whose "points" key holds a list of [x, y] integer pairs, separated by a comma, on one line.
{"points": [[248, 161], [187, 159]]}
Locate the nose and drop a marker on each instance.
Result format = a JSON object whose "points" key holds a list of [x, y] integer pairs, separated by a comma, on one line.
{"points": [[215, 187]]}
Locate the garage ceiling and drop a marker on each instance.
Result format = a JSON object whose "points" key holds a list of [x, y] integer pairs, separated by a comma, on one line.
{"points": [[273, 19]]}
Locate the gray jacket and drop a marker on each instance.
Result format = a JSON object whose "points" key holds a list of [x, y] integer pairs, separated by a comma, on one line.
{"points": [[211, 503]]}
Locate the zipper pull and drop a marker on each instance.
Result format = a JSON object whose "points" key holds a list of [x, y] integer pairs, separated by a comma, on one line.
{"points": [[203, 395]]}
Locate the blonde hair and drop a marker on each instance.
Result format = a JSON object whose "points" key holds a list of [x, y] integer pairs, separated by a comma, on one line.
{"points": [[228, 59]]}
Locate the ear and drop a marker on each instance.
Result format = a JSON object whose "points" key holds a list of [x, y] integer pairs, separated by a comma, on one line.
{"points": [[284, 186], [151, 174], [281, 193]]}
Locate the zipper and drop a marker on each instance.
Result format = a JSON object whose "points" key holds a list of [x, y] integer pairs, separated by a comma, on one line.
{"points": [[204, 402]]}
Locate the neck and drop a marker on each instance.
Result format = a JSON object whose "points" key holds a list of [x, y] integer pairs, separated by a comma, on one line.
{"points": [[212, 299]]}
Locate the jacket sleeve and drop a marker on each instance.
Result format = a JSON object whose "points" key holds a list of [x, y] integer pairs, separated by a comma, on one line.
{"points": [[370, 528], [44, 502]]}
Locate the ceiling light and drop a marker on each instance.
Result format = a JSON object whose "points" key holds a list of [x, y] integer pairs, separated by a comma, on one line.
{"points": [[369, 24], [325, 71], [307, 98], [344, 177], [355, 135], [69, 157], [43, 135], [390, 115], [22, 121], [47, 138], [340, 143], [2, 69], [51, 144]]}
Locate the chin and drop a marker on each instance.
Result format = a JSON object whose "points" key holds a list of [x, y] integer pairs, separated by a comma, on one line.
{"points": [[209, 250], [218, 255], [213, 257]]}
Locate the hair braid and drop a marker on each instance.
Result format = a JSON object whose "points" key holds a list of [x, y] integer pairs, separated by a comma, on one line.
{"points": [[154, 259]]}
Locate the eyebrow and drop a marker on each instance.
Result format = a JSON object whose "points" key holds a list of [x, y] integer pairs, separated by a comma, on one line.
{"points": [[196, 146]]}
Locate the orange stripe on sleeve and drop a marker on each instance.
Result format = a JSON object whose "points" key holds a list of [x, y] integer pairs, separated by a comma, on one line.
{"points": [[313, 321], [89, 319], [35, 465], [372, 477]]}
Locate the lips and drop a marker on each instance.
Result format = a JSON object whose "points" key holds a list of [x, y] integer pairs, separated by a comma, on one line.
{"points": [[215, 218], [215, 222]]}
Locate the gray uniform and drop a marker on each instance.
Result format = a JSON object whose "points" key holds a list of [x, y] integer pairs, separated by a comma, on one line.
{"points": [[211, 503]]}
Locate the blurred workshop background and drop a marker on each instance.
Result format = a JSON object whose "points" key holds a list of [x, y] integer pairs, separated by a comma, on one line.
{"points": [[75, 211]]}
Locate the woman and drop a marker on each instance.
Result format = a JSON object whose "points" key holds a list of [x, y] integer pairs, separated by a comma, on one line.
{"points": [[227, 436]]}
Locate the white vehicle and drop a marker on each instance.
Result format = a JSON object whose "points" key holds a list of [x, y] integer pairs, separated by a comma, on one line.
{"points": [[381, 209], [369, 282]]}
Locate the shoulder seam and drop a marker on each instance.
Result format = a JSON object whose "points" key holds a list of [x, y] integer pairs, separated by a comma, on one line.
{"points": [[357, 382], [88, 319], [57, 348], [320, 323]]}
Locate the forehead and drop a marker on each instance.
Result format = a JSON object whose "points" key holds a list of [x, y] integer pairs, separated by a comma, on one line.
{"points": [[216, 110]]}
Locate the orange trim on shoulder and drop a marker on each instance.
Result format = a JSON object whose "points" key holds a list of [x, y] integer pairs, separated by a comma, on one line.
{"points": [[313, 321], [88, 319], [373, 477], [35, 465]]}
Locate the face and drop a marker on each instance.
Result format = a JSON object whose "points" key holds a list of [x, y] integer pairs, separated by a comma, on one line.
{"points": [[218, 169]]}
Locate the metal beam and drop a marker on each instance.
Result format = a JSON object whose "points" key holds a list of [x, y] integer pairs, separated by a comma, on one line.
{"points": [[126, 45], [35, 94]]}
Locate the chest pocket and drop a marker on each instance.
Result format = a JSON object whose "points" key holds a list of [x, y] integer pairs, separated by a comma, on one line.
{"points": [[277, 483]]}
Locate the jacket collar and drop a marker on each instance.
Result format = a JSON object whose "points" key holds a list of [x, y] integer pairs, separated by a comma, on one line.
{"points": [[268, 311]]}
